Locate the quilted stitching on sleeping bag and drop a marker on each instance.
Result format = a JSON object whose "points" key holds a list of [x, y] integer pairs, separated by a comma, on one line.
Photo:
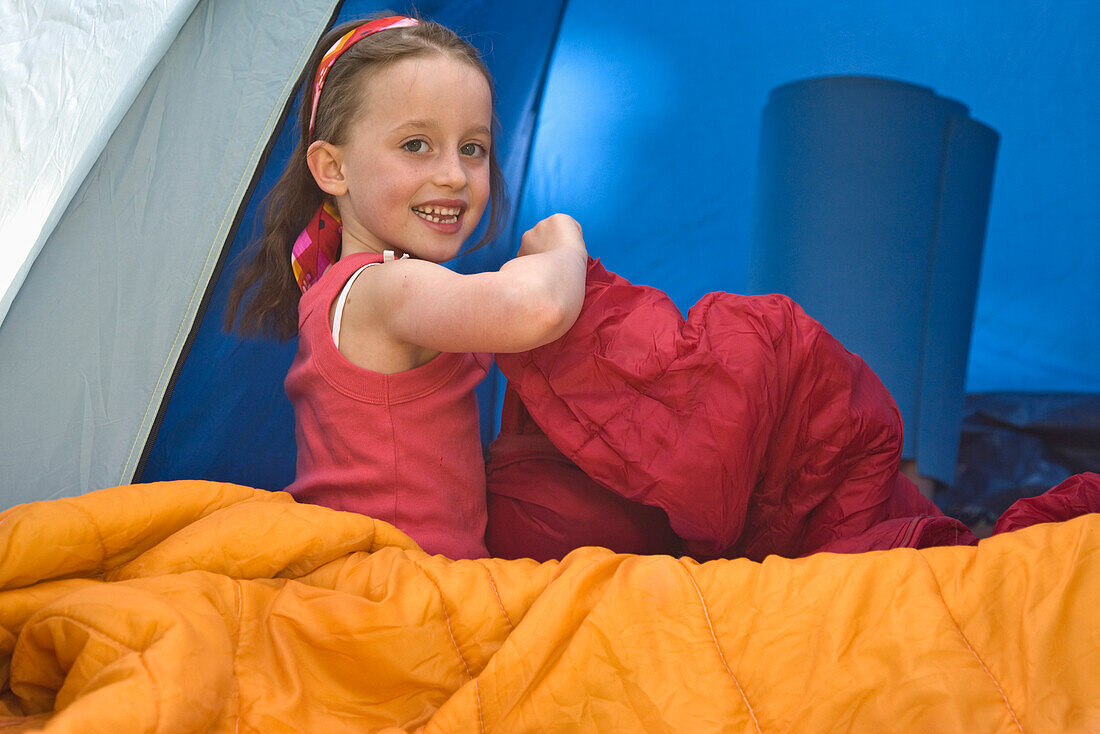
{"points": [[194, 606]]}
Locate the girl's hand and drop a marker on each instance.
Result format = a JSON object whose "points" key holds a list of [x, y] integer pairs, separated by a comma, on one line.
{"points": [[557, 230]]}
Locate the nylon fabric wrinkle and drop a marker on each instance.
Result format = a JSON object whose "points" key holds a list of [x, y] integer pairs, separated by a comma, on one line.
{"points": [[718, 647], [969, 647], [648, 711], [238, 611], [91, 629], [103, 555], [600, 429], [496, 595], [563, 576], [555, 398], [447, 619], [825, 643]]}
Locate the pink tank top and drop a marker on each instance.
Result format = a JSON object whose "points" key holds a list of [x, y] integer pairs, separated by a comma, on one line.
{"points": [[403, 448]]}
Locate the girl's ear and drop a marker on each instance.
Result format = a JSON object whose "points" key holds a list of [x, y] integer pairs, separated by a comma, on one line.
{"points": [[324, 161]]}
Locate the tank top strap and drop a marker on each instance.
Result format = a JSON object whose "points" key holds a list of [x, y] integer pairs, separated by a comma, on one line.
{"points": [[337, 317]]}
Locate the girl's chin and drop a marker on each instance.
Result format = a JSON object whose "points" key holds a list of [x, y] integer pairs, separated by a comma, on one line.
{"points": [[436, 252]]}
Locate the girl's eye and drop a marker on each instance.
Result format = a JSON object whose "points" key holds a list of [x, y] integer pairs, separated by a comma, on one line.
{"points": [[415, 146], [472, 149]]}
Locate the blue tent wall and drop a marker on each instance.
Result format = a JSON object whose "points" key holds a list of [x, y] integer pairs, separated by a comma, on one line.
{"points": [[227, 417], [648, 134], [651, 123]]}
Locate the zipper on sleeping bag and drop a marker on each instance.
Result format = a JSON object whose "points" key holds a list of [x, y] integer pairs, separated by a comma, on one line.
{"points": [[910, 531]]}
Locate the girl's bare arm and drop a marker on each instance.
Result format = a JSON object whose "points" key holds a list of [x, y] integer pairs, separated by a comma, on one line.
{"points": [[532, 300]]}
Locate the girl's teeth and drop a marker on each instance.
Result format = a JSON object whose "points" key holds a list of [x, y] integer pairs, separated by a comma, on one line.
{"points": [[444, 215]]}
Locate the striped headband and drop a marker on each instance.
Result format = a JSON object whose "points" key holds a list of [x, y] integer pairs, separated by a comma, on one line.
{"points": [[346, 41]]}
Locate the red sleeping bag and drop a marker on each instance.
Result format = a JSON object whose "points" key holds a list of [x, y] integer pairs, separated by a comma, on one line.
{"points": [[743, 430]]}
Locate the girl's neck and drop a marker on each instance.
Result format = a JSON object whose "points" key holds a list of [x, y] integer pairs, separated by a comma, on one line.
{"points": [[351, 245]]}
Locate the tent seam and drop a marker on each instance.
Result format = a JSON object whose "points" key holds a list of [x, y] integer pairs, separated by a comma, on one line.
{"points": [[201, 283]]}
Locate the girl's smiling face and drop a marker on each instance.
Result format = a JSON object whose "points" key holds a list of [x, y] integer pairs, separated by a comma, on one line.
{"points": [[415, 167]]}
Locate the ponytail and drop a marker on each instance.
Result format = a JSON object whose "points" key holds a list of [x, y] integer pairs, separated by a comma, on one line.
{"points": [[272, 309]]}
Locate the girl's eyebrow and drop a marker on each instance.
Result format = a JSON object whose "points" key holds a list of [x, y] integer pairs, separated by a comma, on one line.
{"points": [[415, 124], [422, 124]]}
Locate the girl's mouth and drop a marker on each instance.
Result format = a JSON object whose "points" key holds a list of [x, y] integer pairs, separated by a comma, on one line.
{"points": [[438, 214]]}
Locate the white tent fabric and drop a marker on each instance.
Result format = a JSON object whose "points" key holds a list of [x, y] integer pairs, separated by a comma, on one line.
{"points": [[95, 330], [69, 70]]}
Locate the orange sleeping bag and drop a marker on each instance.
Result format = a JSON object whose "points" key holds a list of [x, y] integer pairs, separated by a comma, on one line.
{"points": [[195, 606]]}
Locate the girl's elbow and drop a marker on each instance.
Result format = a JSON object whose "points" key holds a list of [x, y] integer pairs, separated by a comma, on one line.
{"points": [[551, 322], [551, 316], [541, 307]]}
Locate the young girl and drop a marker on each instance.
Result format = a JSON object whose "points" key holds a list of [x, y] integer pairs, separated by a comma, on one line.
{"points": [[393, 171], [745, 430]]}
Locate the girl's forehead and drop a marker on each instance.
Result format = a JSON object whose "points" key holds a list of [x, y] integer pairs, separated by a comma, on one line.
{"points": [[427, 82]]}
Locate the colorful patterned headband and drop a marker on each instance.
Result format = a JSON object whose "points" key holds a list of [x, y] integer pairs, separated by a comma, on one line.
{"points": [[346, 41]]}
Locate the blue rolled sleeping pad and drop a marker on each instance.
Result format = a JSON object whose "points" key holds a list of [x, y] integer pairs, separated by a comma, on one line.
{"points": [[870, 210]]}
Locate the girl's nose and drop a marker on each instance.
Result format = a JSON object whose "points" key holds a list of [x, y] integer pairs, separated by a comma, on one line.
{"points": [[450, 172]]}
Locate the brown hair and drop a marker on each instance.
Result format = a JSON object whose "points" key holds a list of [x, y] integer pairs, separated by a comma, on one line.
{"points": [[266, 278]]}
